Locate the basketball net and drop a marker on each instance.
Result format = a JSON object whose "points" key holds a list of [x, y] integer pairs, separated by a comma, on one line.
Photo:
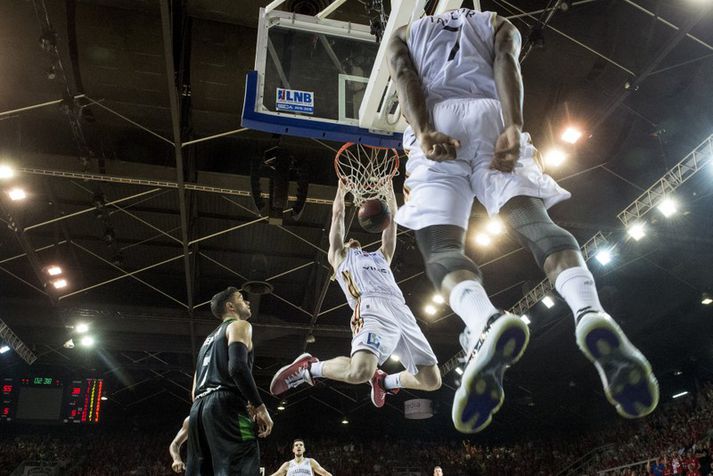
{"points": [[366, 171]]}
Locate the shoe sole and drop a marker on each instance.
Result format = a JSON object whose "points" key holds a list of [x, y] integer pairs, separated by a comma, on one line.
{"points": [[275, 379], [373, 398], [481, 393], [628, 381]]}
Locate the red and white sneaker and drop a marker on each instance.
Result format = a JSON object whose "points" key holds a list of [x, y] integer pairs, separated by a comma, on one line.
{"points": [[378, 391], [293, 375]]}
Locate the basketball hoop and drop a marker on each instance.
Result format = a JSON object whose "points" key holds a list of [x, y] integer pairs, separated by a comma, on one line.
{"points": [[366, 171]]}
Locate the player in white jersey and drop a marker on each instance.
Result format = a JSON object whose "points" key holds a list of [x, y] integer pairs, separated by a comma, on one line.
{"points": [[460, 88], [381, 323], [300, 466]]}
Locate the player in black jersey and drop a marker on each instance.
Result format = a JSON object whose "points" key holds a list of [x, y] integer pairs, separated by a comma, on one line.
{"points": [[222, 439]]}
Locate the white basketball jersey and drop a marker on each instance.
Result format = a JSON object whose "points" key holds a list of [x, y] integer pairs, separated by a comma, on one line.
{"points": [[366, 273], [300, 469], [454, 53]]}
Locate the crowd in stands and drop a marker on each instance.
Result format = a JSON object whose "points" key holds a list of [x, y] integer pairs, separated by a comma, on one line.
{"points": [[675, 440]]}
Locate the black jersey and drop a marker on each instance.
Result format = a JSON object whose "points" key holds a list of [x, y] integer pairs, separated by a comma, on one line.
{"points": [[212, 366]]}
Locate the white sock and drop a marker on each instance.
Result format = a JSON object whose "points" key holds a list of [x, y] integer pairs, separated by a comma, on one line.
{"points": [[470, 301], [316, 369], [576, 286], [392, 381]]}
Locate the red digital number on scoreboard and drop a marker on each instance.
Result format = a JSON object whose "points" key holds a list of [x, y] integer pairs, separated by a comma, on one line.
{"points": [[7, 388]]}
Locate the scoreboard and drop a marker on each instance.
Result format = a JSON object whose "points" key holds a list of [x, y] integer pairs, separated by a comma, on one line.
{"points": [[41, 399]]}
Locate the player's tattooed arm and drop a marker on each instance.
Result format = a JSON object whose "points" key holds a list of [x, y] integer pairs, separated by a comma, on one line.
{"points": [[508, 81], [336, 230], [388, 236], [282, 471], [436, 145], [318, 469]]}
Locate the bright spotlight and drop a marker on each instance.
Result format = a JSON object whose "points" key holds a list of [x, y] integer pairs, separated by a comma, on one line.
{"points": [[395, 358], [81, 328], [430, 309], [6, 172], [59, 283], [525, 319], [685, 392], [495, 226], [345, 421], [668, 207], [5, 348], [280, 407], [636, 231], [603, 256], [87, 341], [706, 299], [439, 299], [482, 239], [104, 399], [459, 371], [571, 135], [548, 301], [16, 194], [555, 157], [54, 270]]}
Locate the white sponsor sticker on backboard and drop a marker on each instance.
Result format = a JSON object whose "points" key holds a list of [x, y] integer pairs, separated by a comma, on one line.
{"points": [[294, 100]]}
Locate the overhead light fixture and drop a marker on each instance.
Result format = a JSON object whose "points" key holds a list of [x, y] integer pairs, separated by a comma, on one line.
{"points": [[706, 299], [685, 392], [54, 270], [439, 299], [104, 398], [280, 407], [482, 239], [525, 319], [604, 256], [345, 421], [4, 348], [6, 172], [548, 301], [677, 373], [69, 344], [87, 341], [81, 328], [16, 194], [637, 231], [555, 157], [571, 135], [668, 207], [459, 371], [59, 283], [395, 358], [430, 309], [495, 226]]}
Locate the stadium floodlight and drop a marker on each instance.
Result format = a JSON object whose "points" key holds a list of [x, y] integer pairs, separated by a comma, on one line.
{"points": [[438, 299], [345, 421], [59, 283], [395, 358], [604, 256], [555, 157], [571, 135], [4, 348], [482, 239], [81, 328], [548, 301], [54, 270], [430, 309], [17, 194], [495, 226], [459, 371], [685, 392], [6, 172], [87, 341], [525, 319], [637, 231], [668, 207]]}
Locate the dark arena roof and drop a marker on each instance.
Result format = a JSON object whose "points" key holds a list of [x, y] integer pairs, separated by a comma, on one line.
{"points": [[145, 233]]}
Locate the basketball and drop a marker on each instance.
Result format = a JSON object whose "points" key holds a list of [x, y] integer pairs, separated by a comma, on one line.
{"points": [[374, 215]]}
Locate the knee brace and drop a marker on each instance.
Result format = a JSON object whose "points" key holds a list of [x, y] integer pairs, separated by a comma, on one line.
{"points": [[534, 229], [442, 250]]}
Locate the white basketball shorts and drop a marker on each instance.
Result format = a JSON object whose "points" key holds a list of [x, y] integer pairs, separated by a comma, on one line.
{"points": [[441, 193], [385, 326]]}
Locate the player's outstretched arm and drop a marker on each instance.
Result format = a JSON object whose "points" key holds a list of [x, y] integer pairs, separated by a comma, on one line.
{"points": [[175, 448], [317, 468], [388, 236], [436, 145], [282, 471], [508, 81], [336, 230], [239, 341]]}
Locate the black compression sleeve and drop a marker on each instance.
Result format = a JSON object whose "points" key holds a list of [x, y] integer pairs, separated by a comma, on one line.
{"points": [[239, 370]]}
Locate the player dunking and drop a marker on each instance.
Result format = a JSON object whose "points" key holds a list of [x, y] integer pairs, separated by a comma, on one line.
{"points": [[174, 449], [381, 324], [226, 403], [301, 466], [460, 88]]}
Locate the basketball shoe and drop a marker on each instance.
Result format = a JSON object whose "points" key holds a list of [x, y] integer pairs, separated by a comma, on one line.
{"points": [[378, 391], [629, 384], [481, 393], [293, 375]]}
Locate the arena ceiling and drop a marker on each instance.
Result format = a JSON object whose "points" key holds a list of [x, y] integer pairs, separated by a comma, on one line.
{"points": [[147, 232]]}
